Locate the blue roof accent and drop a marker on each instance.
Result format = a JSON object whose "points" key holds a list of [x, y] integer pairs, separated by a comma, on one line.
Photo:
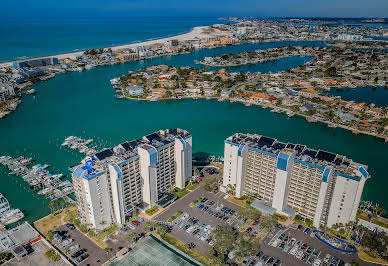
{"points": [[282, 161], [348, 176], [231, 143], [118, 170], [78, 172], [325, 175], [310, 164], [183, 142], [89, 163], [240, 150], [153, 155], [88, 168], [263, 152], [363, 172]]}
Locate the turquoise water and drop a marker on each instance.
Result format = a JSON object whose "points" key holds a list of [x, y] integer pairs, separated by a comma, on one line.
{"points": [[376, 95], [47, 35], [83, 104]]}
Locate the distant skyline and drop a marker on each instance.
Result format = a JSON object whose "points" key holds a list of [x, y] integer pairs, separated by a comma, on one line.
{"points": [[260, 8]]}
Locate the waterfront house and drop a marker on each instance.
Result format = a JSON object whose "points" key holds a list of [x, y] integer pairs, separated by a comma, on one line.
{"points": [[135, 90], [225, 93]]}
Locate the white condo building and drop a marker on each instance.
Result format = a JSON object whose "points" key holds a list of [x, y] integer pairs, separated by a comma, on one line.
{"points": [[291, 178], [114, 182]]}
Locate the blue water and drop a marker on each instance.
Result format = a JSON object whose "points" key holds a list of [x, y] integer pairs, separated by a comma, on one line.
{"points": [[376, 95], [83, 104], [32, 37]]}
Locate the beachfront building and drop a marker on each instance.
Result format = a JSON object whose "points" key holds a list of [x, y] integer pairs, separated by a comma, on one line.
{"points": [[137, 174], [293, 179]]}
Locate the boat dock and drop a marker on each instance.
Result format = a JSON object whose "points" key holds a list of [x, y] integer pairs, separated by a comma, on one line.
{"points": [[38, 177], [77, 143]]}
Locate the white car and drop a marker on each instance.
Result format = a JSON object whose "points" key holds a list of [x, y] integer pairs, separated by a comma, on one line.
{"points": [[190, 229], [317, 262], [299, 255], [66, 242], [185, 215], [226, 196], [275, 243], [74, 248], [293, 251], [204, 237], [131, 226]]}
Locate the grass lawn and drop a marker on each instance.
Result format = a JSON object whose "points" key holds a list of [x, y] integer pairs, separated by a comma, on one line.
{"points": [[193, 186], [180, 193], [152, 211], [184, 248], [98, 239], [52, 221], [241, 202]]}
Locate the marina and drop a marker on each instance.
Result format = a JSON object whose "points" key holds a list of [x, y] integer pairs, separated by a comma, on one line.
{"points": [[7, 214], [79, 144], [38, 177]]}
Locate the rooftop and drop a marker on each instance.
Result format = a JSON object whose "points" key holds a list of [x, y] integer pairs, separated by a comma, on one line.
{"points": [[99, 162], [321, 158]]}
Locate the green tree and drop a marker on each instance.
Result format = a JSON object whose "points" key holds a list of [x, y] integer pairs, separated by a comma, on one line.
{"points": [[246, 245], [268, 221], [52, 255], [248, 213], [131, 236], [223, 237]]}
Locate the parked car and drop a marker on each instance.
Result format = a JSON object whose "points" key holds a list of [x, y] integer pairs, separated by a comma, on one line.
{"points": [[66, 242], [78, 253], [317, 262], [70, 226], [135, 223], [299, 255], [270, 261], [277, 263], [82, 258], [327, 258], [307, 231], [74, 248], [298, 243]]}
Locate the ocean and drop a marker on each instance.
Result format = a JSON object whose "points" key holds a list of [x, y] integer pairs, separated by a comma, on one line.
{"points": [[34, 37]]}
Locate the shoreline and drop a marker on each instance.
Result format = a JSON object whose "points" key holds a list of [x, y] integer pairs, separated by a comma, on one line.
{"points": [[248, 103], [194, 33]]}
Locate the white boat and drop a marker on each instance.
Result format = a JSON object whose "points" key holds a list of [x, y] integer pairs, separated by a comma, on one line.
{"points": [[11, 216], [45, 191], [8, 215]]}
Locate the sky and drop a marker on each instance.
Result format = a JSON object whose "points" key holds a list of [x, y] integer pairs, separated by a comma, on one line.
{"points": [[257, 8]]}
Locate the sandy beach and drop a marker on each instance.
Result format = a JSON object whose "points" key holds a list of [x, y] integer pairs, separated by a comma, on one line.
{"points": [[195, 33]]}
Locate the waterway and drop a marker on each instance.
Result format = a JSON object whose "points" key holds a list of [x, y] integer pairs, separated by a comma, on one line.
{"points": [[376, 95], [83, 104]]}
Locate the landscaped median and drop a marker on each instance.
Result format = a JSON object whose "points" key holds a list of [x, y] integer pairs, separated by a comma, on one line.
{"points": [[152, 211], [184, 248], [176, 215]]}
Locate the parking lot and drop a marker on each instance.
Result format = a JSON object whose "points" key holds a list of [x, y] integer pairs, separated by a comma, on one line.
{"points": [[197, 222], [195, 225], [298, 246], [76, 241]]}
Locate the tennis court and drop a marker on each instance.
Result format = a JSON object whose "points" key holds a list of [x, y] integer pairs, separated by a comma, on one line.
{"points": [[152, 252]]}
